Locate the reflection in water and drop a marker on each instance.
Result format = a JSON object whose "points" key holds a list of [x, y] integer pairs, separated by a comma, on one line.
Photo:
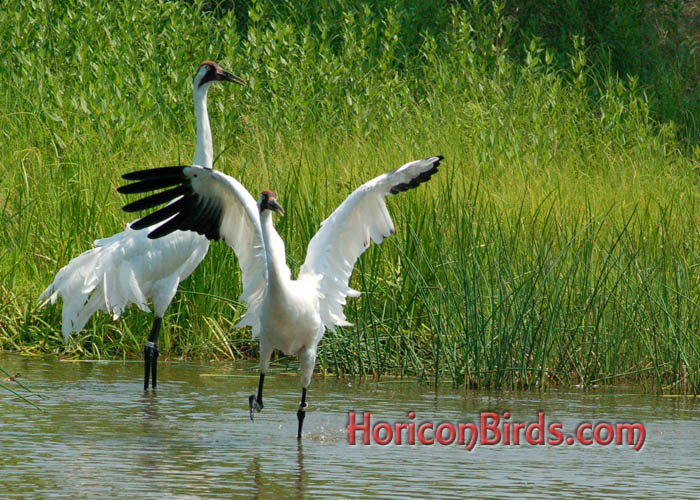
{"points": [[257, 476], [150, 407], [301, 475], [266, 483], [102, 436], [148, 461]]}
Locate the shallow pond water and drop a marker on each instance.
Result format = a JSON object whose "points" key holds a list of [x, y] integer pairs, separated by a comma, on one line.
{"points": [[101, 436]]}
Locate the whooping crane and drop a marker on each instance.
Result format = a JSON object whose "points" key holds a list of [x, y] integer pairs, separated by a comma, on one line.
{"points": [[128, 267], [288, 315]]}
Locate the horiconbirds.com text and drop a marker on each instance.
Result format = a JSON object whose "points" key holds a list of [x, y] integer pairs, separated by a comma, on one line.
{"points": [[490, 430]]}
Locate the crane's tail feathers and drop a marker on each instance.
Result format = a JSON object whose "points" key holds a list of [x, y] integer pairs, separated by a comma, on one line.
{"points": [[245, 321], [79, 313], [48, 295], [103, 242], [338, 322], [96, 280], [70, 278], [253, 297]]}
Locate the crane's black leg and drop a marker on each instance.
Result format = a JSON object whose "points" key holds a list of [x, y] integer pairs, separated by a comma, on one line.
{"points": [[256, 404], [150, 354], [301, 413]]}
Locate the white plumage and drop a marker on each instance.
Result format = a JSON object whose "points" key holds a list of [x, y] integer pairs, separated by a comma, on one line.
{"points": [[288, 315], [128, 267]]}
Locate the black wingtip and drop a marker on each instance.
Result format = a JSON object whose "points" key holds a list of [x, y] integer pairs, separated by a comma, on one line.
{"points": [[156, 199], [154, 173], [152, 179], [420, 178], [184, 203], [185, 209], [436, 163]]}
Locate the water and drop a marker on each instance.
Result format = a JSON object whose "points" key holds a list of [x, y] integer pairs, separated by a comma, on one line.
{"points": [[100, 436]]}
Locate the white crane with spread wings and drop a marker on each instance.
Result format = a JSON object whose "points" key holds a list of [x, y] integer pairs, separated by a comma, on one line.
{"points": [[285, 314]]}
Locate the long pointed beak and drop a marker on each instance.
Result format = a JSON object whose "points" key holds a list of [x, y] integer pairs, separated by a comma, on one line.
{"points": [[225, 76], [276, 207]]}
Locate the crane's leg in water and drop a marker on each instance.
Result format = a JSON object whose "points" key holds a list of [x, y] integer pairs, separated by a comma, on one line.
{"points": [[301, 412], [256, 403], [150, 353], [307, 361]]}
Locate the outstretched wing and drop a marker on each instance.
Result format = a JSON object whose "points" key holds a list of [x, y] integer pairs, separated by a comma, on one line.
{"points": [[345, 235], [212, 204]]}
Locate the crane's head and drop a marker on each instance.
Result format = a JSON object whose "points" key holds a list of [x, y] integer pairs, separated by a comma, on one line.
{"points": [[210, 72], [268, 201]]}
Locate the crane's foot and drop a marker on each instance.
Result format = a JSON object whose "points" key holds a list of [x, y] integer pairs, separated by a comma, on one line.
{"points": [[150, 354], [301, 414], [255, 405]]}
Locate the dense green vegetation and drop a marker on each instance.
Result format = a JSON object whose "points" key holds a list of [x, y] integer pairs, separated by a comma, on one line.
{"points": [[558, 245]]}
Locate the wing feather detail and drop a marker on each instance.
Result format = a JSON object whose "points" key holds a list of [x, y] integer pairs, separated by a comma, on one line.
{"points": [[346, 234], [214, 205]]}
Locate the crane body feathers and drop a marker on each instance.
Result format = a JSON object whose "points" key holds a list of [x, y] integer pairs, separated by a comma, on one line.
{"points": [[213, 199], [121, 270], [128, 267]]}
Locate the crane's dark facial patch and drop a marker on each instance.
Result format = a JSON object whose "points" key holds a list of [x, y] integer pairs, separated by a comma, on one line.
{"points": [[210, 70], [268, 201], [214, 73]]}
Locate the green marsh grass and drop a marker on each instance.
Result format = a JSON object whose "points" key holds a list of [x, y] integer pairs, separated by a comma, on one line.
{"points": [[557, 245]]}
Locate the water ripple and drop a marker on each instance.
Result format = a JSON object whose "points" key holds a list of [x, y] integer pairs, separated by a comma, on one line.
{"points": [[101, 436]]}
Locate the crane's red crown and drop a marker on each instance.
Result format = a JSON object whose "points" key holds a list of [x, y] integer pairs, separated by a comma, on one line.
{"points": [[209, 63]]}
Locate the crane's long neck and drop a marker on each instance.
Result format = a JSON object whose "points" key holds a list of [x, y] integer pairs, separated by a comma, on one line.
{"points": [[277, 271], [204, 155]]}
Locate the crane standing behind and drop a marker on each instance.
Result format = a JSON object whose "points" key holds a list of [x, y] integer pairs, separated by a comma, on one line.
{"points": [[128, 267]]}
